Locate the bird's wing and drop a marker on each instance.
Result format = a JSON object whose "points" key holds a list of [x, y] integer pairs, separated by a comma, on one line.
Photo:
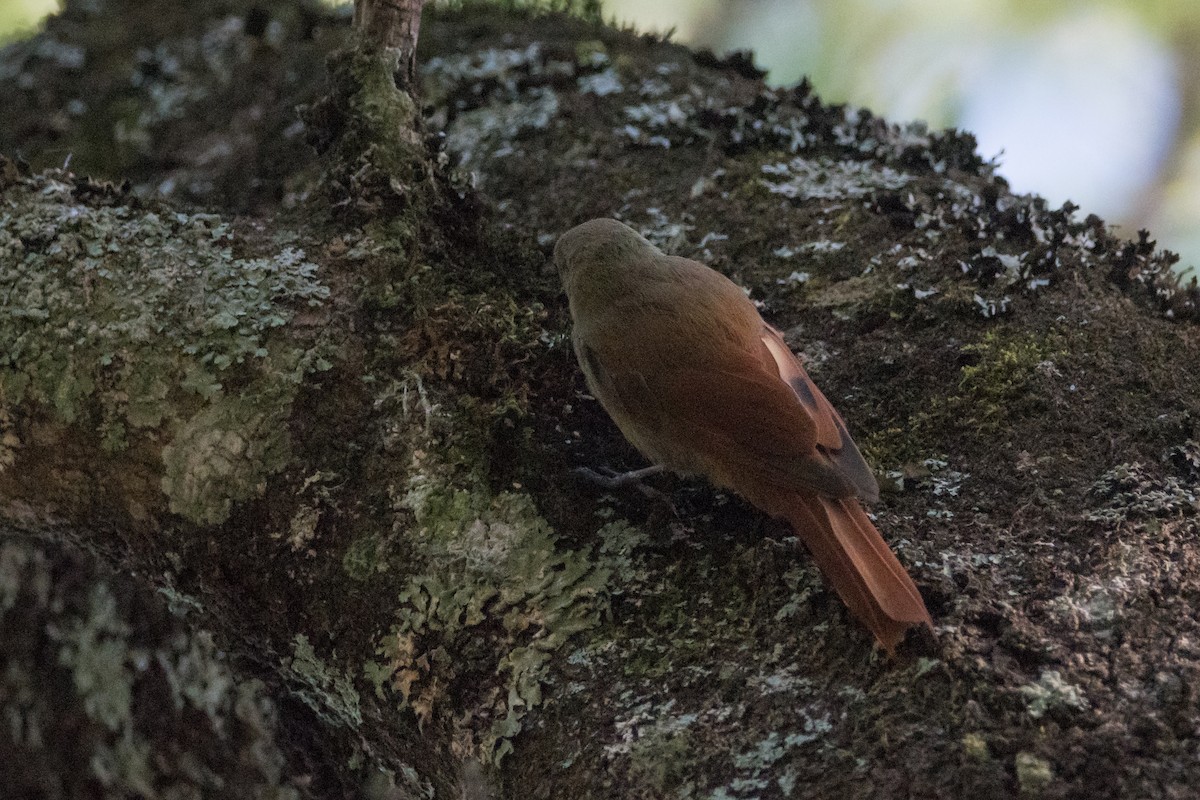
{"points": [[832, 437], [738, 418]]}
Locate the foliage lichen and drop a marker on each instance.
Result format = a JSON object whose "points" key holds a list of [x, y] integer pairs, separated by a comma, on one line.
{"points": [[329, 692], [499, 591], [134, 704], [126, 321]]}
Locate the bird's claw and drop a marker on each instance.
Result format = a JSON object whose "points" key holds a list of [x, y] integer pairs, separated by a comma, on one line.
{"points": [[611, 479], [604, 477]]}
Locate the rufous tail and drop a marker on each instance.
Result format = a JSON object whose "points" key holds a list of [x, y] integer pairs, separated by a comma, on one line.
{"points": [[860, 566]]}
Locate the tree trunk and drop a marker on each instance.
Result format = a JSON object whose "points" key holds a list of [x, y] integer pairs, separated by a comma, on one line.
{"points": [[287, 433]]}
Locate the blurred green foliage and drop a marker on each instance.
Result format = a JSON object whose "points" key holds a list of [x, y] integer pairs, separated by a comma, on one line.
{"points": [[19, 18]]}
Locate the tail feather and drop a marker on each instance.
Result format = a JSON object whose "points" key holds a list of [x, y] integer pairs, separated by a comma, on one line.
{"points": [[860, 566]]}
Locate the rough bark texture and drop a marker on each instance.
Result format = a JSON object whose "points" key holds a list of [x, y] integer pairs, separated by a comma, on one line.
{"points": [[325, 405]]}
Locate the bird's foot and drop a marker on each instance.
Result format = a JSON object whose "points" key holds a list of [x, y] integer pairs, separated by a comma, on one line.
{"points": [[611, 479]]}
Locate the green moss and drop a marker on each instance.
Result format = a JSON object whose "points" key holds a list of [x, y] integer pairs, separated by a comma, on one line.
{"points": [[1007, 381], [132, 321], [377, 165], [975, 747], [886, 447], [998, 385], [662, 760], [1034, 774], [591, 52], [364, 557]]}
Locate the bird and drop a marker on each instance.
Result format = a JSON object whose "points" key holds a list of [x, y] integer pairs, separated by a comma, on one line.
{"points": [[700, 384]]}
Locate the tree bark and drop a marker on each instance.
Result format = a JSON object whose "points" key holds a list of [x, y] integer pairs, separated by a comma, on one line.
{"points": [[393, 25], [323, 402]]}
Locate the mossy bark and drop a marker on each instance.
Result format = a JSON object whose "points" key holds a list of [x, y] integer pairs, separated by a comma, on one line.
{"points": [[325, 404]]}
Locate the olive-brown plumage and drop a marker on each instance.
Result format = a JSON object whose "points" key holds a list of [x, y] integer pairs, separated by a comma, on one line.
{"points": [[699, 383]]}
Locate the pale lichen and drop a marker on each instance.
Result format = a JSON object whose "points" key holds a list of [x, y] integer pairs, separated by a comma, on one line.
{"points": [[498, 587], [95, 649], [804, 179], [329, 692], [131, 702], [1135, 491], [130, 322], [222, 455], [510, 93], [1052, 692]]}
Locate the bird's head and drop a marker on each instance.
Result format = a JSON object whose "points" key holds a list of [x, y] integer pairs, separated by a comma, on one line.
{"points": [[600, 243]]}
